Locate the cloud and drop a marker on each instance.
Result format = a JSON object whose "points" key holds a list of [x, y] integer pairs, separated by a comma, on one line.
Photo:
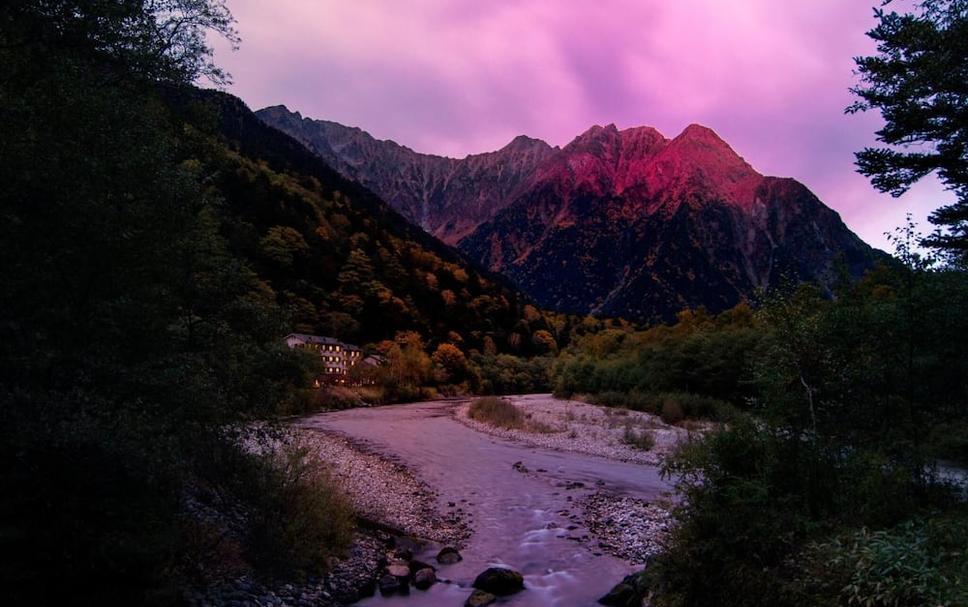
{"points": [[464, 76]]}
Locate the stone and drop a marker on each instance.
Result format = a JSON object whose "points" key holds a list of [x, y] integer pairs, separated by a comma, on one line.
{"points": [[416, 566], [479, 598], [424, 579], [398, 570], [630, 592], [389, 585], [499, 581], [448, 556]]}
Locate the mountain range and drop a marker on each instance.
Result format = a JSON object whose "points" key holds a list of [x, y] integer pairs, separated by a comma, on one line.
{"points": [[623, 223]]}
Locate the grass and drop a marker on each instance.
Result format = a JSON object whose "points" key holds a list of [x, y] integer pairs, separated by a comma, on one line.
{"points": [[497, 412], [641, 439], [501, 413]]}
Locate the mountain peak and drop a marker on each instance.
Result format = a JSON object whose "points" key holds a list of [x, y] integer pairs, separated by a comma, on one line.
{"points": [[279, 110], [699, 131], [525, 143]]}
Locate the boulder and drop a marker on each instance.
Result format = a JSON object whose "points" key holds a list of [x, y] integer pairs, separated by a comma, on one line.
{"points": [[424, 579], [399, 570], [499, 581], [479, 598], [416, 566], [630, 592], [388, 585], [448, 556]]}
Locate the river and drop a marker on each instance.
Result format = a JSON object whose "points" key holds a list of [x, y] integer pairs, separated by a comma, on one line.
{"points": [[518, 519]]}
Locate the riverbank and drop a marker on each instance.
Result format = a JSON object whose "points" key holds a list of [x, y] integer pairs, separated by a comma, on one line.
{"points": [[393, 508], [580, 427]]}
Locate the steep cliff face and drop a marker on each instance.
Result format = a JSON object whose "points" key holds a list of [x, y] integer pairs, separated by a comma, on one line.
{"points": [[447, 197], [618, 222]]}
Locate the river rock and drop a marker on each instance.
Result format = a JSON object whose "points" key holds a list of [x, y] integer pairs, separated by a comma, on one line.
{"points": [[479, 598], [388, 585], [630, 592], [448, 556], [499, 581], [424, 579], [399, 570]]}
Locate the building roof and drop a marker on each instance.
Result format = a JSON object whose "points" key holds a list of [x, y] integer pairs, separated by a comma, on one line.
{"points": [[315, 339]]}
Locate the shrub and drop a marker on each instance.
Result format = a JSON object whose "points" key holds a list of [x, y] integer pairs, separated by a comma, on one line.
{"points": [[915, 563], [329, 398], [672, 411], [296, 517], [497, 412], [641, 439], [674, 406]]}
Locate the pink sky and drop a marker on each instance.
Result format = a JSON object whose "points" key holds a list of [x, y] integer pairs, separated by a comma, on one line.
{"points": [[465, 76]]}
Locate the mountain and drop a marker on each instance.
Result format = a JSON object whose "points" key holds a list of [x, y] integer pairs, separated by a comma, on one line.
{"points": [[616, 223], [340, 259], [445, 196]]}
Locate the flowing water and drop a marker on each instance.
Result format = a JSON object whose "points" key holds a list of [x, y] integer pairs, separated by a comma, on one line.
{"points": [[510, 511]]}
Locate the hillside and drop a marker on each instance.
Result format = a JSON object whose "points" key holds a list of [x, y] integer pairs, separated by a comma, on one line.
{"points": [[342, 261]]}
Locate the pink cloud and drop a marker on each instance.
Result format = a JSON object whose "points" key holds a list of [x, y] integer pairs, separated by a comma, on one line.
{"points": [[464, 76]]}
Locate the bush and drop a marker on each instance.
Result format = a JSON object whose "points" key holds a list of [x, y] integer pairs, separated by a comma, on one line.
{"points": [[497, 412], [297, 518], [672, 406], [915, 563], [641, 439], [672, 411], [330, 398]]}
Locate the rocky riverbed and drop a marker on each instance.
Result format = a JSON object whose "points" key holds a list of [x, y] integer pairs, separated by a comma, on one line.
{"points": [[571, 517]]}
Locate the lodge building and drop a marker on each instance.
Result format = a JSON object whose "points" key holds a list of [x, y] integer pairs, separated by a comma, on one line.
{"points": [[338, 357]]}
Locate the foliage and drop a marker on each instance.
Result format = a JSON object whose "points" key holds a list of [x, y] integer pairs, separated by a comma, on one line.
{"points": [[917, 82], [297, 519], [507, 374], [914, 563], [451, 364], [640, 439], [845, 392], [136, 340], [158, 40], [497, 412], [701, 358]]}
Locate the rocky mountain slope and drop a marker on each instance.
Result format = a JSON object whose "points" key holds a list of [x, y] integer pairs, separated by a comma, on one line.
{"points": [[445, 196], [618, 222]]}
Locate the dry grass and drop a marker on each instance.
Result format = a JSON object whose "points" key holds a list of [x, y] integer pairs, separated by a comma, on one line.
{"points": [[501, 413], [497, 412], [640, 439]]}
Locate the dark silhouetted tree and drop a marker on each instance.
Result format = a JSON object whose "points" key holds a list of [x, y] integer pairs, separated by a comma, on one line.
{"points": [[918, 80]]}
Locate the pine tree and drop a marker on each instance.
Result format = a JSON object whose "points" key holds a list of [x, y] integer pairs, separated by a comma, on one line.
{"points": [[919, 83]]}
